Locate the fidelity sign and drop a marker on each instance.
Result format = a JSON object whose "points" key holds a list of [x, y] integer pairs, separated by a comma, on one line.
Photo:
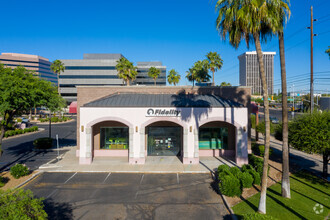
{"points": [[151, 112]]}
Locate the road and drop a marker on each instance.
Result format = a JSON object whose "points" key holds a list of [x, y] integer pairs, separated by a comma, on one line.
{"points": [[129, 196], [20, 149], [276, 113]]}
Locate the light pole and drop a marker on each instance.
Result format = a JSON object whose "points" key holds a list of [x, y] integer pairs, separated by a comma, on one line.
{"points": [[292, 113]]}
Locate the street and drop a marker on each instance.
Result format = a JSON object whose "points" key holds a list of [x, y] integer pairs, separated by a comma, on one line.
{"points": [[20, 149]]}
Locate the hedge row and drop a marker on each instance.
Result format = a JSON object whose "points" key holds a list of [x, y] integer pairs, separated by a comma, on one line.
{"points": [[20, 131], [232, 180], [55, 119], [259, 149], [43, 143]]}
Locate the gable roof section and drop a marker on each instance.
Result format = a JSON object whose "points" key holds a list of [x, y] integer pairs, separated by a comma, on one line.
{"points": [[162, 100]]}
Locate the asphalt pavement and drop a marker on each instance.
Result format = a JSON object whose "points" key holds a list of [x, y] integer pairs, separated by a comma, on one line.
{"points": [[128, 196], [20, 149]]}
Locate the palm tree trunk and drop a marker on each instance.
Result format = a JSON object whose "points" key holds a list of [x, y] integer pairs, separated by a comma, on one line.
{"points": [[1, 137], [58, 83], [155, 81], [212, 78], [127, 82], [262, 201], [285, 147]]}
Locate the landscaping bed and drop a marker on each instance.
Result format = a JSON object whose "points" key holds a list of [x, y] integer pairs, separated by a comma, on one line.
{"points": [[11, 182]]}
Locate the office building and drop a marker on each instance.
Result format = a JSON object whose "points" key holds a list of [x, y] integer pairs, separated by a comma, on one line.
{"points": [[249, 71], [143, 122], [38, 64], [100, 70]]}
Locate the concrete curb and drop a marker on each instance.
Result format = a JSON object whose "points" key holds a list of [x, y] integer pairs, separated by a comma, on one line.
{"points": [[231, 212], [55, 123], [25, 134], [28, 180], [107, 171]]}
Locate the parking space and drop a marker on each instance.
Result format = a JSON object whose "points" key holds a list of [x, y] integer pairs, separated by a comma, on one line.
{"points": [[128, 196]]}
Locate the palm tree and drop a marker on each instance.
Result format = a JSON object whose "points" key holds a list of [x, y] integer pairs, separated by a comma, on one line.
{"points": [[202, 71], [225, 84], [191, 75], [57, 67], [215, 63], [328, 51], [284, 12], [250, 19], [154, 73], [126, 70], [173, 77]]}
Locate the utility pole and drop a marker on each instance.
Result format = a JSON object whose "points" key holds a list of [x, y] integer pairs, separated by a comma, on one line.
{"points": [[312, 80]]}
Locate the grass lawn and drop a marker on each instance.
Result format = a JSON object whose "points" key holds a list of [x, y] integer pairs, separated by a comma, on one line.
{"points": [[306, 192]]}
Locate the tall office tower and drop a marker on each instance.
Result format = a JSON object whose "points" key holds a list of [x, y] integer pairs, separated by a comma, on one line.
{"points": [[38, 64], [249, 71], [100, 69]]}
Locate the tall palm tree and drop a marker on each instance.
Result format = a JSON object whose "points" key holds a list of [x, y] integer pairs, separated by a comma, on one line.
{"points": [[250, 19], [191, 75], [328, 51], [154, 73], [202, 71], [173, 77], [215, 63], [283, 11], [126, 70], [57, 67]]}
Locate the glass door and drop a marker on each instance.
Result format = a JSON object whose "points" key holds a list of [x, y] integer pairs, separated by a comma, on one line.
{"points": [[164, 141]]}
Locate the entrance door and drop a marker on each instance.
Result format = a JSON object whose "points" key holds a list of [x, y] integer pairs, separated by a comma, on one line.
{"points": [[164, 141]]}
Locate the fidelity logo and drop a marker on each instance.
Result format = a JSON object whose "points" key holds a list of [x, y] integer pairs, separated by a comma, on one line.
{"points": [[163, 113]]}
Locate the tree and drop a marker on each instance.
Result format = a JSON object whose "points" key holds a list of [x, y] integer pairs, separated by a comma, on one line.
{"points": [[311, 133], [328, 51], [191, 75], [250, 19], [173, 77], [21, 204], [215, 63], [126, 70], [225, 84], [154, 73], [20, 91], [202, 73], [57, 67], [283, 12]]}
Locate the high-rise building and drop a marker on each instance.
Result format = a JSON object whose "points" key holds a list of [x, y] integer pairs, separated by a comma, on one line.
{"points": [[38, 64], [249, 71], [100, 69]]}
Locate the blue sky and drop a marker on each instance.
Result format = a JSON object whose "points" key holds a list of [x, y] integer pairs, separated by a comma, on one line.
{"points": [[176, 32]]}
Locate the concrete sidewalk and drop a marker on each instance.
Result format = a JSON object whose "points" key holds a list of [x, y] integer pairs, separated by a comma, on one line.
{"points": [[70, 163]]}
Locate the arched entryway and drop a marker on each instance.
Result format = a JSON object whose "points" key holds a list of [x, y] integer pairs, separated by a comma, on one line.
{"points": [[164, 138], [110, 138], [217, 138]]}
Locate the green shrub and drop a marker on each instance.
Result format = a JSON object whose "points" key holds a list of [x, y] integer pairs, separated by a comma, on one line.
{"points": [[257, 163], [230, 186], [1, 182], [259, 149], [54, 119], [222, 168], [256, 177], [43, 119], [246, 167], [253, 121], [257, 216], [278, 132], [246, 180], [43, 143], [235, 171], [261, 127], [19, 120], [21, 204], [19, 170]]}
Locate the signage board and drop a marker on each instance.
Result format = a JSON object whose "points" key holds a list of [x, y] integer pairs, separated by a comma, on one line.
{"points": [[158, 112]]}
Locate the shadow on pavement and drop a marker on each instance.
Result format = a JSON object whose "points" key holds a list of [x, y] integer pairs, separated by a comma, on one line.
{"points": [[58, 210]]}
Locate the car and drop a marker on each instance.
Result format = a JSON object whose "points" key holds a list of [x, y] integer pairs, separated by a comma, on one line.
{"points": [[25, 120], [274, 120]]}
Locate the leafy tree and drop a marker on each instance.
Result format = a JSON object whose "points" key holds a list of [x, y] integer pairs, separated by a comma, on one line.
{"points": [[202, 73], [57, 67], [154, 73], [251, 20], [328, 51], [126, 70], [191, 75], [20, 91], [215, 63], [173, 77], [225, 84], [21, 204], [311, 133]]}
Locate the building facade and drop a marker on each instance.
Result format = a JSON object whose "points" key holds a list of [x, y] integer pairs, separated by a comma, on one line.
{"points": [[38, 64], [100, 70], [249, 71], [142, 122]]}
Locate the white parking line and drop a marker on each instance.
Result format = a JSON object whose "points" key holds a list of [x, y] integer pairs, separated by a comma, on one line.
{"points": [[141, 179], [177, 178], [70, 178], [106, 178], [52, 193]]}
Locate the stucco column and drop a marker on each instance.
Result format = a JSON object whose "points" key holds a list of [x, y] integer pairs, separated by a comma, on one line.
{"points": [[87, 157], [196, 144], [241, 146], [137, 152], [130, 142]]}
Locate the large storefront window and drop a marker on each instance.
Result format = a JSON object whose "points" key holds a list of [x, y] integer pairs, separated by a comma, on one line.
{"points": [[114, 138], [164, 141], [213, 138]]}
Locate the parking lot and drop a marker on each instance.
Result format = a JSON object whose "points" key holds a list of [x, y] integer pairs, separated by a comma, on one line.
{"points": [[128, 196]]}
